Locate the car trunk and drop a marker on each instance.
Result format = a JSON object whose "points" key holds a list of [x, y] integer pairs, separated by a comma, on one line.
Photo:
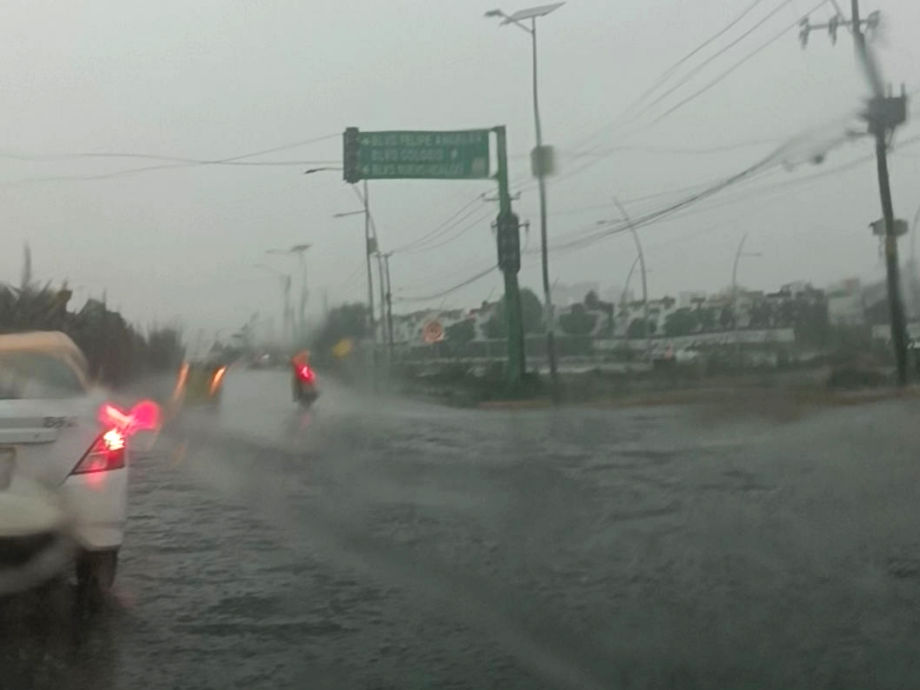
{"points": [[45, 438]]}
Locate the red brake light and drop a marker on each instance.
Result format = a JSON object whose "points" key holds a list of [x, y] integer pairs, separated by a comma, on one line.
{"points": [[113, 440], [106, 453], [143, 416], [305, 373]]}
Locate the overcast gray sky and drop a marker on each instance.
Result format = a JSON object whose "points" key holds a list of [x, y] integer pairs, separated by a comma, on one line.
{"points": [[220, 78]]}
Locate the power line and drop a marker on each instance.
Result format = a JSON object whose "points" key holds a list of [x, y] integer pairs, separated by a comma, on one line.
{"points": [[49, 158], [457, 235], [181, 163], [456, 217], [734, 67], [744, 174], [677, 150], [663, 78], [464, 213], [693, 72], [454, 288], [719, 53], [672, 209]]}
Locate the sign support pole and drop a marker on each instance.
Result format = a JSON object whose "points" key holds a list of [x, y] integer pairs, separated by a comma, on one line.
{"points": [[515, 324]]}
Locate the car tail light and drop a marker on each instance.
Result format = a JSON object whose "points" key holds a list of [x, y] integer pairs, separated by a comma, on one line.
{"points": [[106, 453], [216, 379]]}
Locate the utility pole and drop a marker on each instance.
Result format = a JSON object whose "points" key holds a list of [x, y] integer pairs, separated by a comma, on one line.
{"points": [[883, 115], [369, 248], [382, 282], [388, 296], [508, 238]]}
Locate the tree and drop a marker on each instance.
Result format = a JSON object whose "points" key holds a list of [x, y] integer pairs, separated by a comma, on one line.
{"points": [[706, 318], [761, 314], [681, 322], [578, 321], [164, 348], [345, 321], [531, 314], [461, 332], [636, 328], [811, 321], [592, 301]]}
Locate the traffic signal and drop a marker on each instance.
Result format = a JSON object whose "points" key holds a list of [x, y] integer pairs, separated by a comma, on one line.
{"points": [[509, 242], [351, 173]]}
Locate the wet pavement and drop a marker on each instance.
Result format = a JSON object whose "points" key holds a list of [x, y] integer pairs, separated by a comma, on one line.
{"points": [[379, 543]]}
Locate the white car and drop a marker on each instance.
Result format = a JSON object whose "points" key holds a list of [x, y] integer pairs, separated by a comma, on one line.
{"points": [[63, 472]]}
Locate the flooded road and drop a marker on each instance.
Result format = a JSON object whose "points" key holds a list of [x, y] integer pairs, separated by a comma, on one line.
{"points": [[374, 543]]}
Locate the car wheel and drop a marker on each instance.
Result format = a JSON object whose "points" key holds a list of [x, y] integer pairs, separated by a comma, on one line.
{"points": [[96, 575]]}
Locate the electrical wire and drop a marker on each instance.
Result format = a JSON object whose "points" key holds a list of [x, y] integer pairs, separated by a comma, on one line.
{"points": [[424, 243], [664, 76], [692, 73], [719, 53], [454, 288], [671, 210], [734, 67], [457, 235], [455, 218], [186, 163]]}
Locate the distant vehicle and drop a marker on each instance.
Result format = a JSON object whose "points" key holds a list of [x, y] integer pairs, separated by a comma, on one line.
{"points": [[200, 382], [264, 360], [63, 466]]}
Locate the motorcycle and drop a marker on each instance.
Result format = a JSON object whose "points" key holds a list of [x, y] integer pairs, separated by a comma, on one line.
{"points": [[304, 384]]}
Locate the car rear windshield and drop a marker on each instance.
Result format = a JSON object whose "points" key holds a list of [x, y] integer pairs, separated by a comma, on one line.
{"points": [[26, 375]]}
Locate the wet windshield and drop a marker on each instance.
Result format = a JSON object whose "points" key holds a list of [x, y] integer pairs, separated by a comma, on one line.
{"points": [[35, 375], [500, 344]]}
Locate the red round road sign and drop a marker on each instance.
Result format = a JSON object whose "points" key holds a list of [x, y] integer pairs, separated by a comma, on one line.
{"points": [[433, 332]]}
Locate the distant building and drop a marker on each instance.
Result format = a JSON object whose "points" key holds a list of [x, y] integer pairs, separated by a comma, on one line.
{"points": [[691, 299], [845, 305], [565, 295]]}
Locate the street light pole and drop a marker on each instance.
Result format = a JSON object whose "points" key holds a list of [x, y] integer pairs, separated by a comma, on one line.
{"points": [[540, 163], [299, 250], [388, 296], [286, 315], [544, 248], [641, 259], [738, 254], [368, 250]]}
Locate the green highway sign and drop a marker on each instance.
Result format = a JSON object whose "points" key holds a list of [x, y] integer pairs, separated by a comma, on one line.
{"points": [[393, 155]]}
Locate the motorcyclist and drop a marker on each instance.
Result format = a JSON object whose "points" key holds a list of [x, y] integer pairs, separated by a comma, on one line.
{"points": [[300, 360]]}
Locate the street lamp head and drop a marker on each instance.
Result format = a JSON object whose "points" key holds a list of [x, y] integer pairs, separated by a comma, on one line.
{"points": [[297, 248], [533, 12], [494, 13], [310, 171]]}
